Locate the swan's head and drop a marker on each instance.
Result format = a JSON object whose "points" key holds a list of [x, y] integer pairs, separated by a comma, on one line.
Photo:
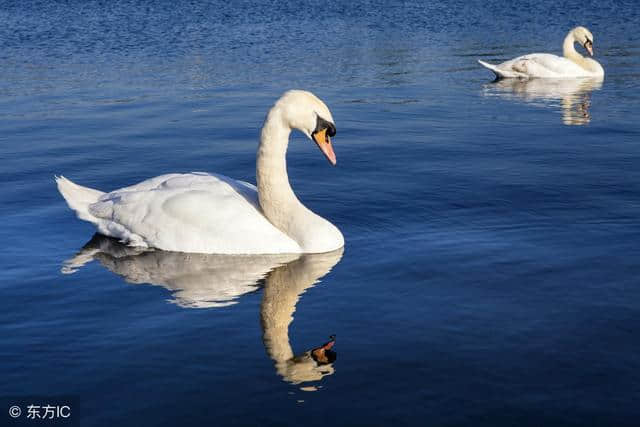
{"points": [[304, 111], [584, 37]]}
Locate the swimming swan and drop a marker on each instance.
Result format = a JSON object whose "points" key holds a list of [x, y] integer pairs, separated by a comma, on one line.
{"points": [[208, 213], [551, 66]]}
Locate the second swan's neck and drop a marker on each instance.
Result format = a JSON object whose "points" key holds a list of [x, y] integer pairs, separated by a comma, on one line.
{"points": [[569, 52], [591, 66]]}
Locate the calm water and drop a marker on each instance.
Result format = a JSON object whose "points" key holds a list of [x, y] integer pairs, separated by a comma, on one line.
{"points": [[490, 274]]}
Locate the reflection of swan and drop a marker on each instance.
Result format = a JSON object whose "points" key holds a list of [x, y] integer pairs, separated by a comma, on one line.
{"points": [[196, 280], [202, 281], [573, 94], [205, 213], [551, 66], [282, 290]]}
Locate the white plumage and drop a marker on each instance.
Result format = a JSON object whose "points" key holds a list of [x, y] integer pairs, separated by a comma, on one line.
{"points": [[195, 212]]}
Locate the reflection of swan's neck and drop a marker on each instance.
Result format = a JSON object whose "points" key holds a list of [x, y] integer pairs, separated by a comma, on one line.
{"points": [[575, 109], [282, 290], [278, 304]]}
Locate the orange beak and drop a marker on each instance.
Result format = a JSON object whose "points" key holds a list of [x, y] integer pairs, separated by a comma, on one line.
{"points": [[589, 48], [324, 143]]}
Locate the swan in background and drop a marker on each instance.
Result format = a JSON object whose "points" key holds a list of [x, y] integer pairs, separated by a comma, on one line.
{"points": [[207, 281], [547, 65], [572, 95], [208, 213]]}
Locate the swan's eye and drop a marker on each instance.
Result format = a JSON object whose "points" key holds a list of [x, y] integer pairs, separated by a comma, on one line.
{"points": [[331, 130], [322, 124]]}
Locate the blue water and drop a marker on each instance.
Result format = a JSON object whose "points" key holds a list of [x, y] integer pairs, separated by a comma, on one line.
{"points": [[490, 273]]}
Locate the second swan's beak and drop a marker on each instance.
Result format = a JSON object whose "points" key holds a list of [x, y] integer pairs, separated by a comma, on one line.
{"points": [[589, 46], [324, 143]]}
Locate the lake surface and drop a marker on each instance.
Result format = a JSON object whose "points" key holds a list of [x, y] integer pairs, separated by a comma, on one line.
{"points": [[490, 273]]}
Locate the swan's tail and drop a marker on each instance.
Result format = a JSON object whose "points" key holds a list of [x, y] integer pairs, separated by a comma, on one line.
{"points": [[500, 73], [78, 197]]}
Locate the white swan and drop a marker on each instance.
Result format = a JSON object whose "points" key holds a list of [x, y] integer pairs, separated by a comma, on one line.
{"points": [[207, 213], [547, 65]]}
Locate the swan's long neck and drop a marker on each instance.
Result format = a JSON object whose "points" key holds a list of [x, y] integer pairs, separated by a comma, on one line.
{"points": [[590, 65], [279, 204], [569, 51], [277, 199]]}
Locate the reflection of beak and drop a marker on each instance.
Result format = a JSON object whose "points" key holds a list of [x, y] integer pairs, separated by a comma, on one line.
{"points": [[324, 143], [323, 354], [589, 47]]}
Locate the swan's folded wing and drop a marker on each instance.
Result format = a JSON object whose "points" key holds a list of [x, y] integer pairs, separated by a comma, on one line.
{"points": [[546, 65], [193, 213]]}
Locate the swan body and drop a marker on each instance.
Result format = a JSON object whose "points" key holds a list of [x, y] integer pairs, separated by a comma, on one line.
{"points": [[183, 211], [207, 213], [546, 65]]}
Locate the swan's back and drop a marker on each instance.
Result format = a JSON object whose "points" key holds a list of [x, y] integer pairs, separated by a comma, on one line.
{"points": [[195, 212], [542, 65], [545, 65]]}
